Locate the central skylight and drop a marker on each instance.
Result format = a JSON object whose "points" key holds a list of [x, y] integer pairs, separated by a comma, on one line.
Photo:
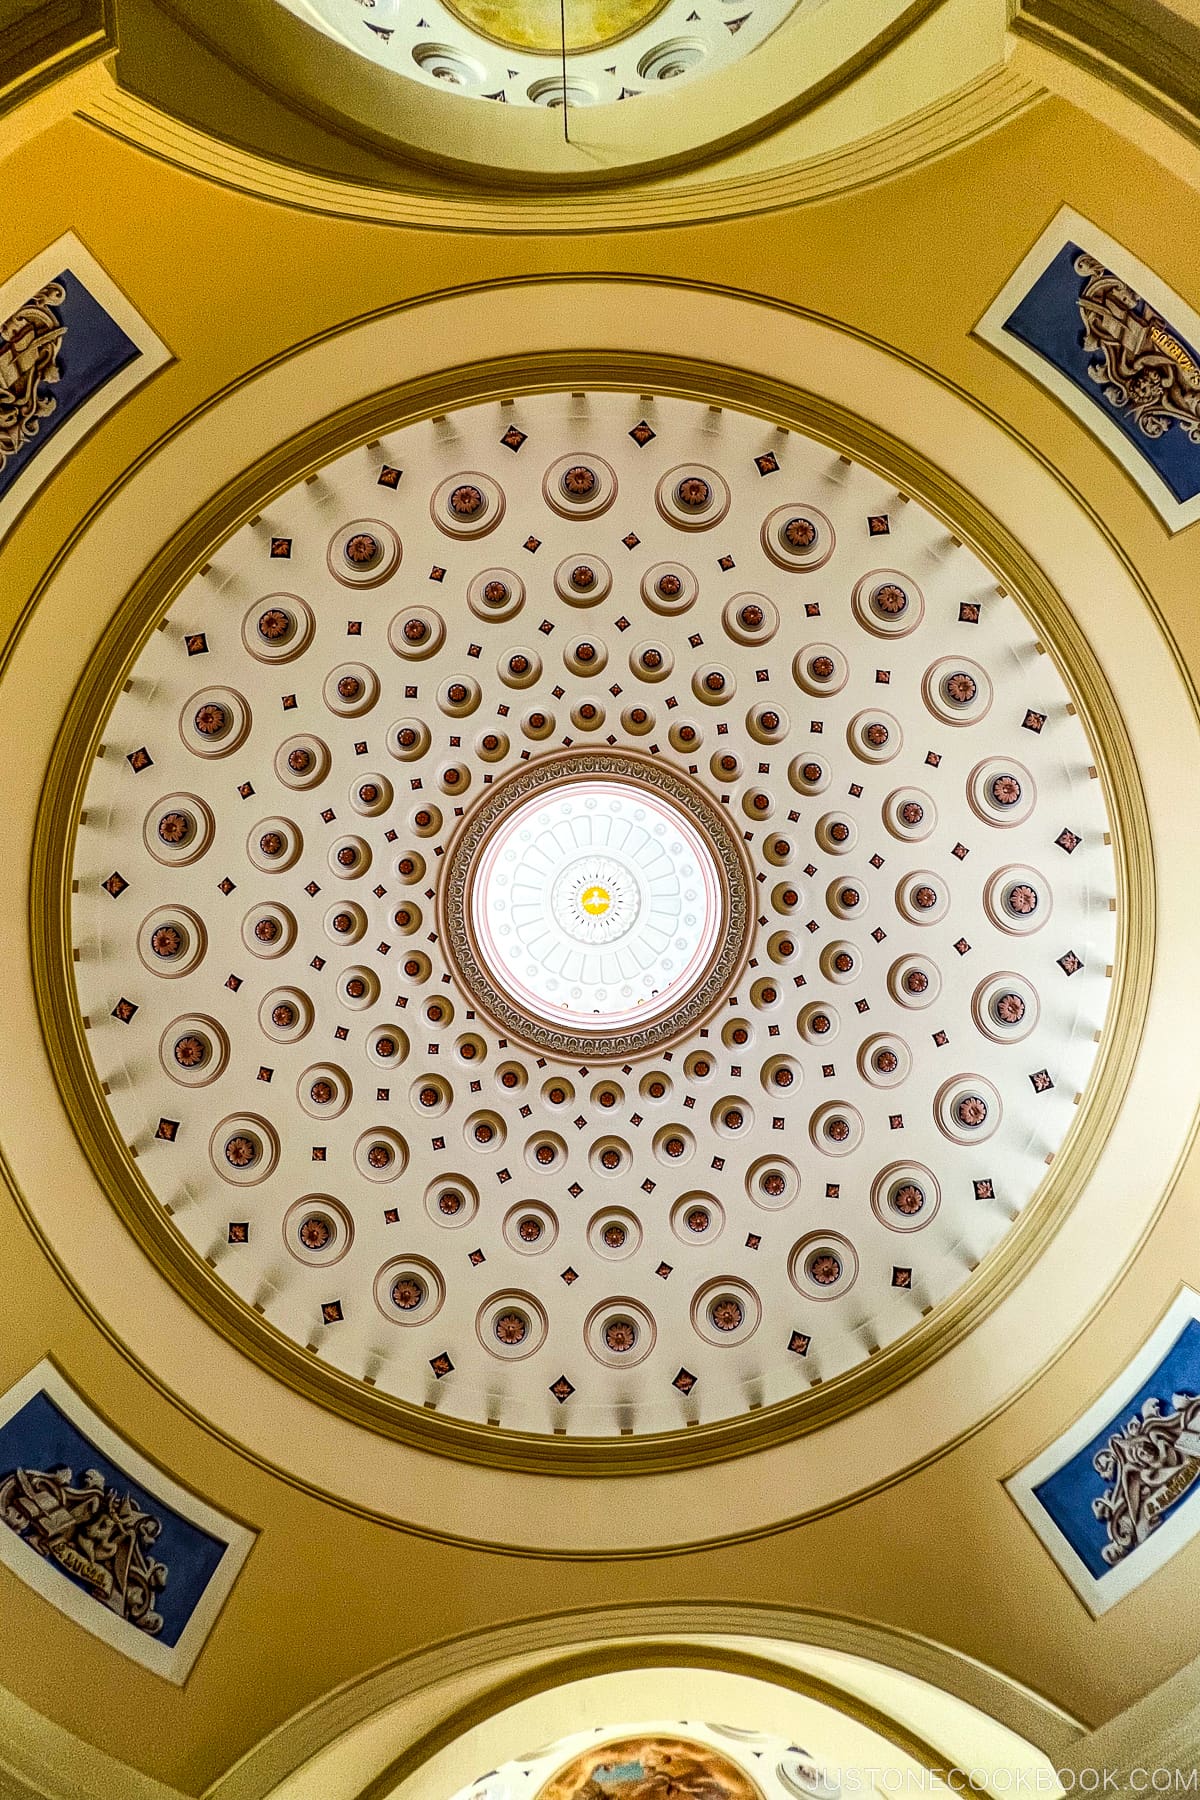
{"points": [[601, 901]]}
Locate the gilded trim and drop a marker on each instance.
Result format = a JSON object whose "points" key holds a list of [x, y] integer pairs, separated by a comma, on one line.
{"points": [[982, 106], [80, 739]]}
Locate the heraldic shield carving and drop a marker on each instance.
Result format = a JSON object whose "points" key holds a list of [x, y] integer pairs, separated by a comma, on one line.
{"points": [[72, 347], [30, 342], [100, 1532], [1149, 1466], [1118, 1493], [1141, 364], [94, 1532], [1118, 347]]}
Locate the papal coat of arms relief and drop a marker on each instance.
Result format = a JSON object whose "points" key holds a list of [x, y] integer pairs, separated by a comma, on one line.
{"points": [[94, 1532], [30, 342], [1148, 1466], [1140, 363]]}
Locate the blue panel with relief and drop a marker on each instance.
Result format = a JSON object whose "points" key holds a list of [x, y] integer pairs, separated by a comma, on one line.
{"points": [[56, 351], [1140, 1469], [71, 1504], [1119, 350]]}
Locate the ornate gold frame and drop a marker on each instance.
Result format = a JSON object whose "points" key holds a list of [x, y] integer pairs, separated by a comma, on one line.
{"points": [[81, 736], [715, 979], [605, 1640]]}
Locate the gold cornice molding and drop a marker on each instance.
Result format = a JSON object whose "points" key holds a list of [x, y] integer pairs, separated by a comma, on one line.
{"points": [[658, 1632], [54, 39], [1159, 1730], [81, 735], [1124, 45], [982, 106], [43, 1760], [319, 78], [613, 1659]]}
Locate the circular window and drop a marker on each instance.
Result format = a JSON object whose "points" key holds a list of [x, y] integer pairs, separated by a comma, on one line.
{"points": [[597, 904]]}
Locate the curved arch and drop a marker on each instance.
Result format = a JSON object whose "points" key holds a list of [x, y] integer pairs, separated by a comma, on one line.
{"points": [[539, 1655]]}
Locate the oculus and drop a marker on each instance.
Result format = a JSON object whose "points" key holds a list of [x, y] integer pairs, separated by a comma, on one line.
{"points": [[596, 905]]}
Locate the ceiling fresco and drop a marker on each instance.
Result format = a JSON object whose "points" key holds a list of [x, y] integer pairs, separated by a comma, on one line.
{"points": [[538, 25], [650, 1767], [688, 1761]]}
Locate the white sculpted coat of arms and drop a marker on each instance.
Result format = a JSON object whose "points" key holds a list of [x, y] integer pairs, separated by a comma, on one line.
{"points": [[97, 1534], [30, 342], [1140, 363], [1148, 1466]]}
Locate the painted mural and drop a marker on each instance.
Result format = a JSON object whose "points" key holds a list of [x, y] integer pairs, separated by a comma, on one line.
{"points": [[1116, 1496], [650, 1768], [85, 1520], [1122, 351], [71, 347]]}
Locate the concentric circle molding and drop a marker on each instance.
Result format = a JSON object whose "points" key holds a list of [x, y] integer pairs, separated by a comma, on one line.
{"points": [[596, 905]]}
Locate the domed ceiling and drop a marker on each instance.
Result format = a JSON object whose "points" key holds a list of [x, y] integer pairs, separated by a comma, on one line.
{"points": [[512, 53], [592, 913]]}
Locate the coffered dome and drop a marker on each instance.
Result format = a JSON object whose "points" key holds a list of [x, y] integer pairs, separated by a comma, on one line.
{"points": [[593, 912]]}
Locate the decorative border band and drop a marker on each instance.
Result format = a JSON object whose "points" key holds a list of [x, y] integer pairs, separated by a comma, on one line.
{"points": [[712, 983], [102, 1534]]}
